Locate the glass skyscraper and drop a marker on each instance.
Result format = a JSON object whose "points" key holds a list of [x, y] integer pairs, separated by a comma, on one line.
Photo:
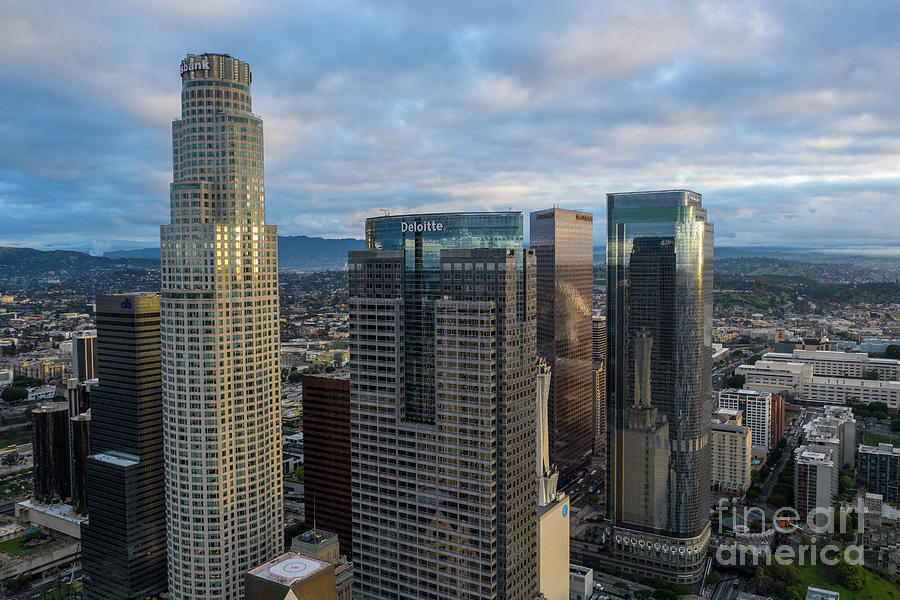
{"points": [[221, 380], [442, 388], [659, 324], [563, 243]]}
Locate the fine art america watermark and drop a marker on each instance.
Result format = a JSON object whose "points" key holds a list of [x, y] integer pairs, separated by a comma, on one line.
{"points": [[822, 521]]}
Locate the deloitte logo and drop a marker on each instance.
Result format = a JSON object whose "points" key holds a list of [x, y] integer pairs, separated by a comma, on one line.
{"points": [[420, 227]]}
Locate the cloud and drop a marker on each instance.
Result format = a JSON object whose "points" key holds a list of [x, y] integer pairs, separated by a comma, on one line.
{"points": [[782, 114]]}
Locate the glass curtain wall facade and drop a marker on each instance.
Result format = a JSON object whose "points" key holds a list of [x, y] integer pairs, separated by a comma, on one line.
{"points": [[442, 384], [221, 378], [563, 243], [659, 324], [123, 544]]}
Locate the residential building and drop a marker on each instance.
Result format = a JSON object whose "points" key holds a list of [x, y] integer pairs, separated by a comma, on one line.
{"points": [[599, 385], [815, 480], [878, 470], [881, 532], [221, 380], [659, 264], [442, 384], [777, 426], [563, 242], [84, 355], [757, 409], [41, 393], [124, 542], [326, 456], [731, 443]]}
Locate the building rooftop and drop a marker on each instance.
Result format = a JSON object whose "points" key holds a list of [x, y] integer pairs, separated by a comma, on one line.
{"points": [[289, 568], [120, 459]]}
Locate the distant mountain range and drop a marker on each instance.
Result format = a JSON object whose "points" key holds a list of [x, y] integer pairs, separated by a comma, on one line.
{"points": [[294, 252], [31, 262]]}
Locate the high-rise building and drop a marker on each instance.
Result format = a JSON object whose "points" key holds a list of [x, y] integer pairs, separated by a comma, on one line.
{"points": [[879, 470], [84, 355], [326, 456], [80, 430], [659, 282], [731, 453], [324, 545], [815, 479], [50, 444], [563, 243], [757, 409], [442, 384], [124, 542], [219, 326], [599, 385], [777, 427]]}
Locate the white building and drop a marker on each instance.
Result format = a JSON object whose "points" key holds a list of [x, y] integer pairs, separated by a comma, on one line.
{"points": [[840, 364], [581, 582], [837, 390], [731, 451], [757, 408], [775, 377], [41, 393], [6, 378], [219, 325]]}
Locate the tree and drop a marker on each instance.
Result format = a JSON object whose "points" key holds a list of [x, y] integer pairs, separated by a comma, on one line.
{"points": [[895, 424], [852, 577], [664, 594], [14, 394], [10, 459], [846, 483], [892, 351], [713, 578], [735, 380]]}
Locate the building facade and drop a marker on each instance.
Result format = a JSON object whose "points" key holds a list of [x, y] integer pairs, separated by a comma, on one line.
{"points": [[442, 383], [50, 446], [84, 355], [775, 377], [815, 479], [732, 451], [326, 456], [855, 365], [599, 374], [124, 542], [563, 242], [879, 470], [659, 295], [757, 409], [221, 386]]}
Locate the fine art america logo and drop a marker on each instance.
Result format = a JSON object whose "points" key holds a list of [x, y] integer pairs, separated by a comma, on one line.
{"points": [[203, 65], [419, 227]]}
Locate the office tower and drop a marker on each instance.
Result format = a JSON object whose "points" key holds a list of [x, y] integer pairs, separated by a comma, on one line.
{"points": [[879, 470], [84, 355], [324, 545], [815, 480], [659, 323], [777, 427], [291, 576], [599, 385], [80, 430], [124, 542], [50, 447], [221, 387], [563, 243], [552, 506], [326, 456], [78, 395], [757, 409], [442, 383]]}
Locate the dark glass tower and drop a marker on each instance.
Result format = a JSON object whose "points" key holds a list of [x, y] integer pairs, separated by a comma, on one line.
{"points": [[563, 243], [442, 391], [52, 463], [659, 286], [326, 456], [124, 542]]}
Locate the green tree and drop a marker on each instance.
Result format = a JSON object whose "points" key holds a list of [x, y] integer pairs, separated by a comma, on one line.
{"points": [[14, 394], [892, 351], [664, 594], [852, 577], [895, 424], [713, 578], [735, 380]]}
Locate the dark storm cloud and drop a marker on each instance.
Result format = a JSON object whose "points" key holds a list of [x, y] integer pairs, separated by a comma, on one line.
{"points": [[783, 115]]}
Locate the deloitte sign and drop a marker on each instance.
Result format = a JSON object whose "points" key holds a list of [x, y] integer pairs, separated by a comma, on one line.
{"points": [[420, 227]]}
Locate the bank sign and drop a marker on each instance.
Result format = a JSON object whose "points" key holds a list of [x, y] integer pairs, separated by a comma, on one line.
{"points": [[420, 227], [203, 65]]}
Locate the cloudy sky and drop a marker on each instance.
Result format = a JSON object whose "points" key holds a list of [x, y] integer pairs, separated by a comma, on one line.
{"points": [[784, 115]]}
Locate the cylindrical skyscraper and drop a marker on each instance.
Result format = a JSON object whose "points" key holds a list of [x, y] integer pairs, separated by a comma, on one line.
{"points": [[219, 327]]}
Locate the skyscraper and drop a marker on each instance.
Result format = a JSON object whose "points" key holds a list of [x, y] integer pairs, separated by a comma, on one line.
{"points": [[563, 242], [599, 384], [219, 325], [124, 542], [326, 456], [659, 286], [442, 392], [84, 355]]}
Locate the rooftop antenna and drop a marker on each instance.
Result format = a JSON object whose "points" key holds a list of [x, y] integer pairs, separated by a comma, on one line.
{"points": [[385, 212]]}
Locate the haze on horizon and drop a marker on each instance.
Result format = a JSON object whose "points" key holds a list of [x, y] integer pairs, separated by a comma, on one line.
{"points": [[783, 115]]}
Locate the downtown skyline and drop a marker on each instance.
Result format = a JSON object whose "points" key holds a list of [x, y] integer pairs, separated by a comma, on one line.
{"points": [[782, 117]]}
